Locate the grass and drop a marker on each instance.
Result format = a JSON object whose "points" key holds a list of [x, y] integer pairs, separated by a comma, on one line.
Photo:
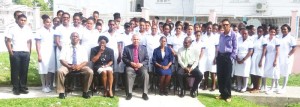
{"points": [[294, 80], [294, 105], [95, 101], [209, 101], [33, 75]]}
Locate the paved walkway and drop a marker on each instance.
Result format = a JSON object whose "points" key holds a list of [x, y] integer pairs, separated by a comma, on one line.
{"points": [[154, 100]]}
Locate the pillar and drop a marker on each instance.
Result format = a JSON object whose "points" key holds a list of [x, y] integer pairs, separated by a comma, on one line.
{"points": [[145, 13], [294, 23], [212, 16], [36, 18]]}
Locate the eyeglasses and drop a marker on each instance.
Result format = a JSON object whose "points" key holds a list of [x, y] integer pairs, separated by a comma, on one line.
{"points": [[225, 24]]}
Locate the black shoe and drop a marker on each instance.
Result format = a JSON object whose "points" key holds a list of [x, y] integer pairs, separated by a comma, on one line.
{"points": [[145, 96], [86, 95], [16, 92], [161, 93], [193, 94], [181, 94], [23, 91], [129, 96], [166, 93], [61, 95]]}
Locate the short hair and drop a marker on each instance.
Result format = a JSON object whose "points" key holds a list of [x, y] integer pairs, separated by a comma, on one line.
{"points": [[225, 20], [198, 32], [96, 12], [45, 17], [98, 24], [142, 20], [103, 38], [166, 24], [127, 25], [188, 38], [163, 37], [73, 34], [273, 28], [16, 12], [260, 27], [91, 18], [156, 17], [55, 18], [249, 27], [77, 15], [109, 21], [59, 11], [66, 13], [148, 22], [117, 15], [161, 23], [287, 26], [22, 16], [215, 25], [243, 28]]}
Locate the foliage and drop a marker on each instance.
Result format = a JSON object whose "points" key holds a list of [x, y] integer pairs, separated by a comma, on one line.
{"points": [[30, 3]]}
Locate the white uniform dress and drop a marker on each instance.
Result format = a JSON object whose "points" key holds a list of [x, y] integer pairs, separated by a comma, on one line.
{"points": [[270, 71], [125, 40], [210, 51], [199, 46], [257, 48], [142, 37], [151, 42], [46, 38], [64, 33], [89, 39], [113, 44], [177, 42], [285, 62], [243, 48]]}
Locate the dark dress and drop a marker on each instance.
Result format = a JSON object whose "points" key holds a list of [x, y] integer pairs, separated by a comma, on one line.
{"points": [[157, 58], [106, 56]]}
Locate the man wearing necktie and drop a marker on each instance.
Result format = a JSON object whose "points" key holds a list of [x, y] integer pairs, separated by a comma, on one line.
{"points": [[188, 58], [136, 59], [73, 58]]}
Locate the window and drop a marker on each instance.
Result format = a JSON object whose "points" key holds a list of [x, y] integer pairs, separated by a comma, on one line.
{"points": [[163, 1], [240, 1], [296, 1]]}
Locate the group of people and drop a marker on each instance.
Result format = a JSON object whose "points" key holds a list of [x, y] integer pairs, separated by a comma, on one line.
{"points": [[225, 51]]}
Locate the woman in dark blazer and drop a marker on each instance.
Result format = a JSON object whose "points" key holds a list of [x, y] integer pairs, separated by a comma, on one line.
{"points": [[162, 58]]}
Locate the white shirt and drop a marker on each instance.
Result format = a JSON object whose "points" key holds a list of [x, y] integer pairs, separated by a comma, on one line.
{"points": [[19, 37], [89, 38], [45, 36], [125, 39], [64, 33], [258, 43], [177, 42], [188, 56], [152, 42], [67, 54], [169, 37], [142, 37], [286, 44], [210, 43], [244, 46]]}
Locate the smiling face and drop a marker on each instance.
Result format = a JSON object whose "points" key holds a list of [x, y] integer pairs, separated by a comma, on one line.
{"points": [[89, 24], [163, 41], [74, 38], [22, 21], [47, 23], [284, 30], [65, 19], [226, 26]]}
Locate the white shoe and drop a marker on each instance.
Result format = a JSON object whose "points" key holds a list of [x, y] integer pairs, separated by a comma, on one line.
{"points": [[48, 88], [45, 90], [282, 91], [270, 91], [243, 90]]}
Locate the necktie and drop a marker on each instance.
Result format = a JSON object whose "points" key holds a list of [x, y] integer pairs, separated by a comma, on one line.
{"points": [[135, 55], [185, 57], [74, 59]]}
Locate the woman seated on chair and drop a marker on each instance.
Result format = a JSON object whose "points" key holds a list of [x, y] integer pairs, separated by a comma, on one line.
{"points": [[162, 58], [102, 58]]}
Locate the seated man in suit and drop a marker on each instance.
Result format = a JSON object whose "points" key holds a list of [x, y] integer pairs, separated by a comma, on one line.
{"points": [[135, 57], [188, 58], [73, 58]]}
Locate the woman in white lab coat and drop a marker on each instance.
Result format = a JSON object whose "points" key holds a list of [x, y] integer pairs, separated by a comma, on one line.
{"points": [[286, 56], [272, 58], [211, 42], [258, 59], [243, 60], [45, 50]]}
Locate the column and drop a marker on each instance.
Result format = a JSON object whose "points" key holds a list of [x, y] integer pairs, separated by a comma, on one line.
{"points": [[145, 13], [36, 18], [294, 23], [212, 16]]}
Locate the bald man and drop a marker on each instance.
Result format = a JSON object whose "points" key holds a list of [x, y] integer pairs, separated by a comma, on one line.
{"points": [[136, 59]]}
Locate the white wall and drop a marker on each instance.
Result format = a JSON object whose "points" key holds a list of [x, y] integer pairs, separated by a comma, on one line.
{"points": [[174, 8], [229, 8]]}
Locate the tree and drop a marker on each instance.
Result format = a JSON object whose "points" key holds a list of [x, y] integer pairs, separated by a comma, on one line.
{"points": [[30, 3]]}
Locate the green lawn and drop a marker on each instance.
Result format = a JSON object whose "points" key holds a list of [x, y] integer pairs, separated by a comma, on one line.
{"points": [[33, 75], [95, 101], [294, 80], [294, 105], [209, 101]]}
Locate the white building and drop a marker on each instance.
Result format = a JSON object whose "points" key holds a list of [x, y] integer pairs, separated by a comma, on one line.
{"points": [[255, 12]]}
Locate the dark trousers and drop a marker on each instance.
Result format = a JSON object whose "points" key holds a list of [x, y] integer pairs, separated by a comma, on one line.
{"points": [[224, 70], [19, 69], [194, 73]]}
